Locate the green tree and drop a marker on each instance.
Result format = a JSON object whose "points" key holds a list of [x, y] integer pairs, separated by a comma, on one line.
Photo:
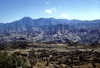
{"points": [[12, 61]]}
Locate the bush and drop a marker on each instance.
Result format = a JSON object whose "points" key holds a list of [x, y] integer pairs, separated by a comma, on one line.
{"points": [[12, 61]]}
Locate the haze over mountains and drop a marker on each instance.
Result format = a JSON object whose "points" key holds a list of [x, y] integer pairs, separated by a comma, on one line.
{"points": [[51, 30]]}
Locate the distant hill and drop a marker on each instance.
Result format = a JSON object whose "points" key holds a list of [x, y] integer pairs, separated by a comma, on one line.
{"points": [[51, 30]]}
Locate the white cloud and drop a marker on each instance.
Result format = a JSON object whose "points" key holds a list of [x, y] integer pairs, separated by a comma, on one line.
{"points": [[64, 16], [47, 3], [49, 11]]}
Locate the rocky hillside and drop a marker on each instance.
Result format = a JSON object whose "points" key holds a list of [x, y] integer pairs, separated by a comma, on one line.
{"points": [[51, 30]]}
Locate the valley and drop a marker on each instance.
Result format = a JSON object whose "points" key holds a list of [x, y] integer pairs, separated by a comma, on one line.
{"points": [[50, 43], [42, 55]]}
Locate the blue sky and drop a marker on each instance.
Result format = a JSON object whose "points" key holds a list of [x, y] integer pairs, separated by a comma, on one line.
{"points": [[11, 10]]}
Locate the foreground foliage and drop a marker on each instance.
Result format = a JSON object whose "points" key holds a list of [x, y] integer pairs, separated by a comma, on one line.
{"points": [[12, 61]]}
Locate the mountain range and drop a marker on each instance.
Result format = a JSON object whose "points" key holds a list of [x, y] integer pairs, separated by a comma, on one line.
{"points": [[51, 30]]}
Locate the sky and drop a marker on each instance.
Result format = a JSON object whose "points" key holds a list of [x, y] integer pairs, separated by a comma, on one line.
{"points": [[11, 10]]}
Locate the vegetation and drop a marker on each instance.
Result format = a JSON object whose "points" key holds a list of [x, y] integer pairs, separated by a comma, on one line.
{"points": [[13, 45], [43, 55], [12, 61]]}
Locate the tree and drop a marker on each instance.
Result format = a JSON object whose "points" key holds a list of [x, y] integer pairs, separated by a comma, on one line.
{"points": [[12, 61]]}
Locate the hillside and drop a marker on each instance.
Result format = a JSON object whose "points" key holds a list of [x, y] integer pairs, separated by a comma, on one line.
{"points": [[51, 30]]}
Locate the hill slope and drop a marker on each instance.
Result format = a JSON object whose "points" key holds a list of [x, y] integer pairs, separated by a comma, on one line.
{"points": [[51, 30]]}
